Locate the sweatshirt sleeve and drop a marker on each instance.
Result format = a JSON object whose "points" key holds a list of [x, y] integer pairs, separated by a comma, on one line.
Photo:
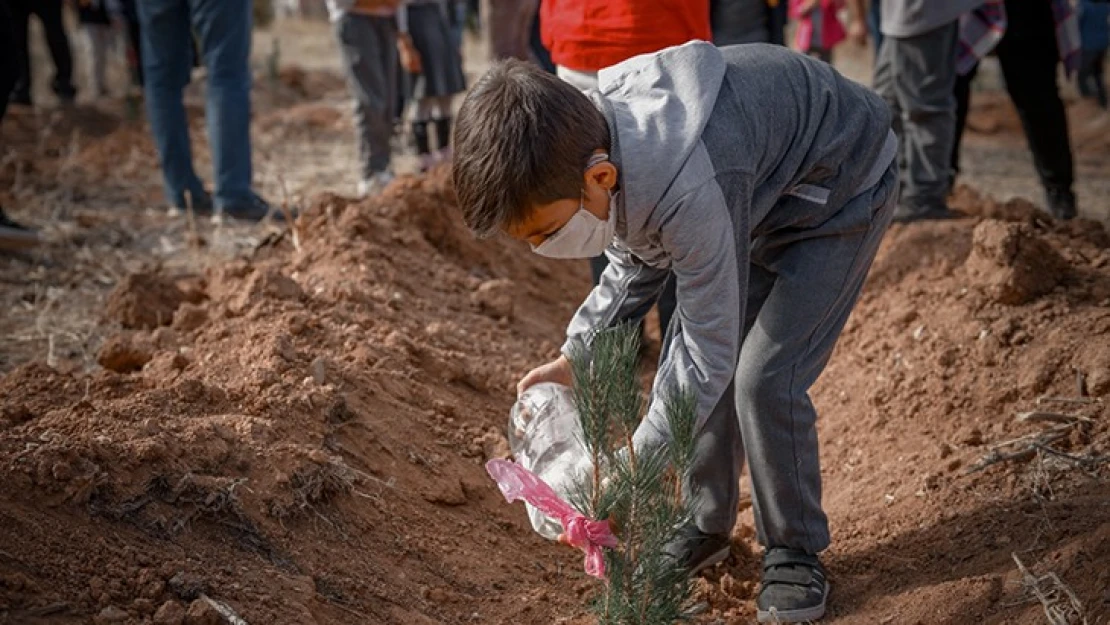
{"points": [[701, 355], [626, 291]]}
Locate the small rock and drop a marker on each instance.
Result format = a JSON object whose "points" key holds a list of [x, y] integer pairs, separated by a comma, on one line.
{"points": [[495, 298], [187, 586], [974, 438], [170, 613], [142, 606], [495, 446], [448, 492], [201, 612], [111, 614], [189, 317], [954, 464], [945, 450], [319, 370]]}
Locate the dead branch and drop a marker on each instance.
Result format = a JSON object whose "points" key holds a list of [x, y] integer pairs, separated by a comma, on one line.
{"points": [[1034, 416], [1061, 605], [1025, 453], [1086, 461], [1034, 436], [1082, 401]]}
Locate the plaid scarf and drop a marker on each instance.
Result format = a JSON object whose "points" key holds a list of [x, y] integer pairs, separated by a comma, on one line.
{"points": [[984, 27]]}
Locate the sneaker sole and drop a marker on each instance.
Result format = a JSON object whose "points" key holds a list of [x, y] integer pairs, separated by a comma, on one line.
{"points": [[716, 558], [795, 616]]}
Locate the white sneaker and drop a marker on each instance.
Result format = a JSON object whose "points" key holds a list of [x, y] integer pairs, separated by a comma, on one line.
{"points": [[374, 184]]}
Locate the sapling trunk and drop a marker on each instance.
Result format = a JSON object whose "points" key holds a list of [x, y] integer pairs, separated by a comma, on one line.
{"points": [[640, 491]]}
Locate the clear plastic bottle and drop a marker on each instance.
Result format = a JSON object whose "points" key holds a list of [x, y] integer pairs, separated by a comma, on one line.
{"points": [[546, 439]]}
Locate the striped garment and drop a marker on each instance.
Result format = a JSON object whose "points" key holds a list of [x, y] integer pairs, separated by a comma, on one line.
{"points": [[983, 28]]}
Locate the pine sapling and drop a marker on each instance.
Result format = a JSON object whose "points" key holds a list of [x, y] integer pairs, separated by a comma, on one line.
{"points": [[640, 491]]}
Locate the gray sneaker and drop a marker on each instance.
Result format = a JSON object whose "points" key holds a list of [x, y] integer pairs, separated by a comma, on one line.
{"points": [[794, 588], [698, 550]]}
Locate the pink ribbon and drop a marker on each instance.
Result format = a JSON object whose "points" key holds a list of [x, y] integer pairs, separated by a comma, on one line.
{"points": [[517, 483]]}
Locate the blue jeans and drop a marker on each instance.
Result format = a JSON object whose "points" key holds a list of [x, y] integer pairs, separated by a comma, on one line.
{"points": [[224, 30]]}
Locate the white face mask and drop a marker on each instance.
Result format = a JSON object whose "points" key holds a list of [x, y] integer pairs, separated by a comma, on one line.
{"points": [[584, 236]]}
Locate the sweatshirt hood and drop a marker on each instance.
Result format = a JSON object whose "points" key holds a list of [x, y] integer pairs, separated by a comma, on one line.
{"points": [[657, 106]]}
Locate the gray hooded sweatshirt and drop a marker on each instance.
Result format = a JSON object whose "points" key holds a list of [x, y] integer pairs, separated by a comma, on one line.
{"points": [[715, 147]]}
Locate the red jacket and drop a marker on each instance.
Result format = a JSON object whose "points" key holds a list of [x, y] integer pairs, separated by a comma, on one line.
{"points": [[588, 35]]}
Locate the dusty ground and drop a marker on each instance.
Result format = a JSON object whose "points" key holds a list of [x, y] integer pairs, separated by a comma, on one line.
{"points": [[293, 423]]}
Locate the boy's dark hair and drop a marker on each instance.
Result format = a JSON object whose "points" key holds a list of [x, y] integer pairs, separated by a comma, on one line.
{"points": [[522, 137]]}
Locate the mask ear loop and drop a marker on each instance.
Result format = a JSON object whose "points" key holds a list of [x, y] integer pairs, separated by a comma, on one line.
{"points": [[596, 158]]}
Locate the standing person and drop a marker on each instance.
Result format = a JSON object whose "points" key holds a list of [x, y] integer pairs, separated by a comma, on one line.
{"points": [[1094, 33], [12, 234], [585, 36], [224, 30], [436, 76], [916, 75], [49, 13], [1032, 38], [764, 181], [96, 20], [508, 28], [371, 49], [819, 29]]}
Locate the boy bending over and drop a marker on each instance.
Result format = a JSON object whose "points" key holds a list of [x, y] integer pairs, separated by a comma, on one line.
{"points": [[764, 181]]}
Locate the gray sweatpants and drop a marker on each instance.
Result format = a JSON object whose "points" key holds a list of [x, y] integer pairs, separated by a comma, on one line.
{"points": [[917, 77], [802, 287], [368, 45]]}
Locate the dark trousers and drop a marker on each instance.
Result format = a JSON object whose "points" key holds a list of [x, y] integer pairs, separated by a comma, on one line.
{"points": [[1029, 58], [50, 14], [1091, 84], [9, 65]]}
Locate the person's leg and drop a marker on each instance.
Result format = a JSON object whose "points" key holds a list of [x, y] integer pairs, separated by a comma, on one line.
{"points": [[963, 104], [165, 42], [874, 20], [817, 279], [50, 12], [924, 80], [224, 29], [421, 116], [883, 83], [96, 42], [1029, 66], [21, 14], [719, 452], [368, 49], [9, 57]]}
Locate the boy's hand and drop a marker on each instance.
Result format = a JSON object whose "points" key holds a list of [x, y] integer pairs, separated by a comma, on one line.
{"points": [[410, 58], [557, 371]]}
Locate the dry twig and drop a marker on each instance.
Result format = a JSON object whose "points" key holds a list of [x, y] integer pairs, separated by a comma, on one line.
{"points": [[1061, 605]]}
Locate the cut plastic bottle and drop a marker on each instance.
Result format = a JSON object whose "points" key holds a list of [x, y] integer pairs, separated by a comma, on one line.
{"points": [[546, 439]]}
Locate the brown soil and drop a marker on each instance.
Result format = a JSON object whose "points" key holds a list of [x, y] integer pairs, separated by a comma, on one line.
{"points": [[294, 425]]}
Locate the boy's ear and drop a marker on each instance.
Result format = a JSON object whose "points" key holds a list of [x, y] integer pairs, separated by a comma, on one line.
{"points": [[603, 174]]}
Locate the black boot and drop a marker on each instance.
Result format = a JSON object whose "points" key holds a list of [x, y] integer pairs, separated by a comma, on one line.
{"points": [[420, 137], [1061, 203], [443, 132]]}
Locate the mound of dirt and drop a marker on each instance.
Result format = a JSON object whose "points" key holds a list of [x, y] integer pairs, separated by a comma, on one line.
{"points": [[144, 301], [1011, 264], [303, 443]]}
